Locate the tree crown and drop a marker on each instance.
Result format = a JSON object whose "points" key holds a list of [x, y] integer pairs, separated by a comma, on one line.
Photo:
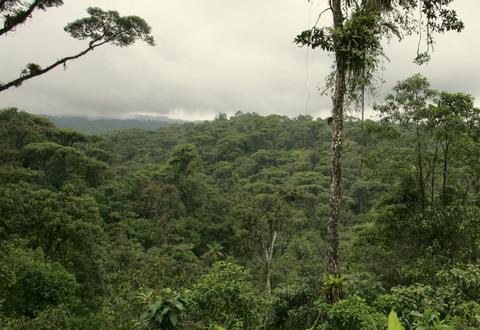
{"points": [[109, 26]]}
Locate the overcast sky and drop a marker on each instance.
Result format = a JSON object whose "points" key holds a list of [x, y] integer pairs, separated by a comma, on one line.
{"points": [[211, 56]]}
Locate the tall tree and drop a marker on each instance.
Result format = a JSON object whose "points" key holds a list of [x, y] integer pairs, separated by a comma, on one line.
{"points": [[100, 28], [453, 115], [355, 40], [407, 106]]}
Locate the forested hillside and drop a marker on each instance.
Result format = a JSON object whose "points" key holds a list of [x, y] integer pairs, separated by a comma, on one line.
{"points": [[106, 125], [221, 224]]}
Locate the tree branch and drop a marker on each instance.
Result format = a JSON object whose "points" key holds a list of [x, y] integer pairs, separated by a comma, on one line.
{"points": [[2, 3], [320, 16], [17, 82], [20, 18]]}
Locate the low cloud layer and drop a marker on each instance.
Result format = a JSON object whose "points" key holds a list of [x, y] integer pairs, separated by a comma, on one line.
{"points": [[211, 57]]}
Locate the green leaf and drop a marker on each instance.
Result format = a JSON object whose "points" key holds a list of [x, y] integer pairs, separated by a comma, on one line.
{"points": [[393, 322], [173, 319]]}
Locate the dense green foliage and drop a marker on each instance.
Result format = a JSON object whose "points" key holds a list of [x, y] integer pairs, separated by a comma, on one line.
{"points": [[107, 125], [221, 224]]}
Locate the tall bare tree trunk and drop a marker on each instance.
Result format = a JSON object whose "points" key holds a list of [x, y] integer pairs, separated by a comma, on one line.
{"points": [[421, 181], [445, 166], [362, 137], [268, 263], [362, 126], [333, 264], [432, 185]]}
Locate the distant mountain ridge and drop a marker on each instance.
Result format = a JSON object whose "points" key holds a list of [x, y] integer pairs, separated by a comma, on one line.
{"points": [[103, 125]]}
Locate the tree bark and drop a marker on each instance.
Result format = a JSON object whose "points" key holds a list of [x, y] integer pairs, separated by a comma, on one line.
{"points": [[445, 166], [362, 127], [421, 181], [268, 264], [333, 263], [362, 137], [432, 185]]}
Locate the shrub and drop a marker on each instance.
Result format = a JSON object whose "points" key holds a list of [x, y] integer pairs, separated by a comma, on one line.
{"points": [[226, 296], [353, 313]]}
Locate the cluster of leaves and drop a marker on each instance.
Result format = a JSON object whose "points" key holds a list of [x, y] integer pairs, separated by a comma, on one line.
{"points": [[167, 310], [109, 26], [359, 28], [357, 42]]}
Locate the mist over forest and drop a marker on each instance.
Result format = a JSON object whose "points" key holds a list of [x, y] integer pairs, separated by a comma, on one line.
{"points": [[104, 125]]}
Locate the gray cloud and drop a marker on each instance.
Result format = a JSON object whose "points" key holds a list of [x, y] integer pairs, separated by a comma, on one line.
{"points": [[211, 56]]}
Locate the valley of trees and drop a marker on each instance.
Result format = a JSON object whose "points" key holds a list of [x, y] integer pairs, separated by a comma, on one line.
{"points": [[249, 222], [222, 224]]}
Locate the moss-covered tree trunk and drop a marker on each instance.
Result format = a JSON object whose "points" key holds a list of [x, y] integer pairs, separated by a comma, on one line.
{"points": [[333, 264]]}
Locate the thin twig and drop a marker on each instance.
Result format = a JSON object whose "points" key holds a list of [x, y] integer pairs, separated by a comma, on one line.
{"points": [[320, 15]]}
